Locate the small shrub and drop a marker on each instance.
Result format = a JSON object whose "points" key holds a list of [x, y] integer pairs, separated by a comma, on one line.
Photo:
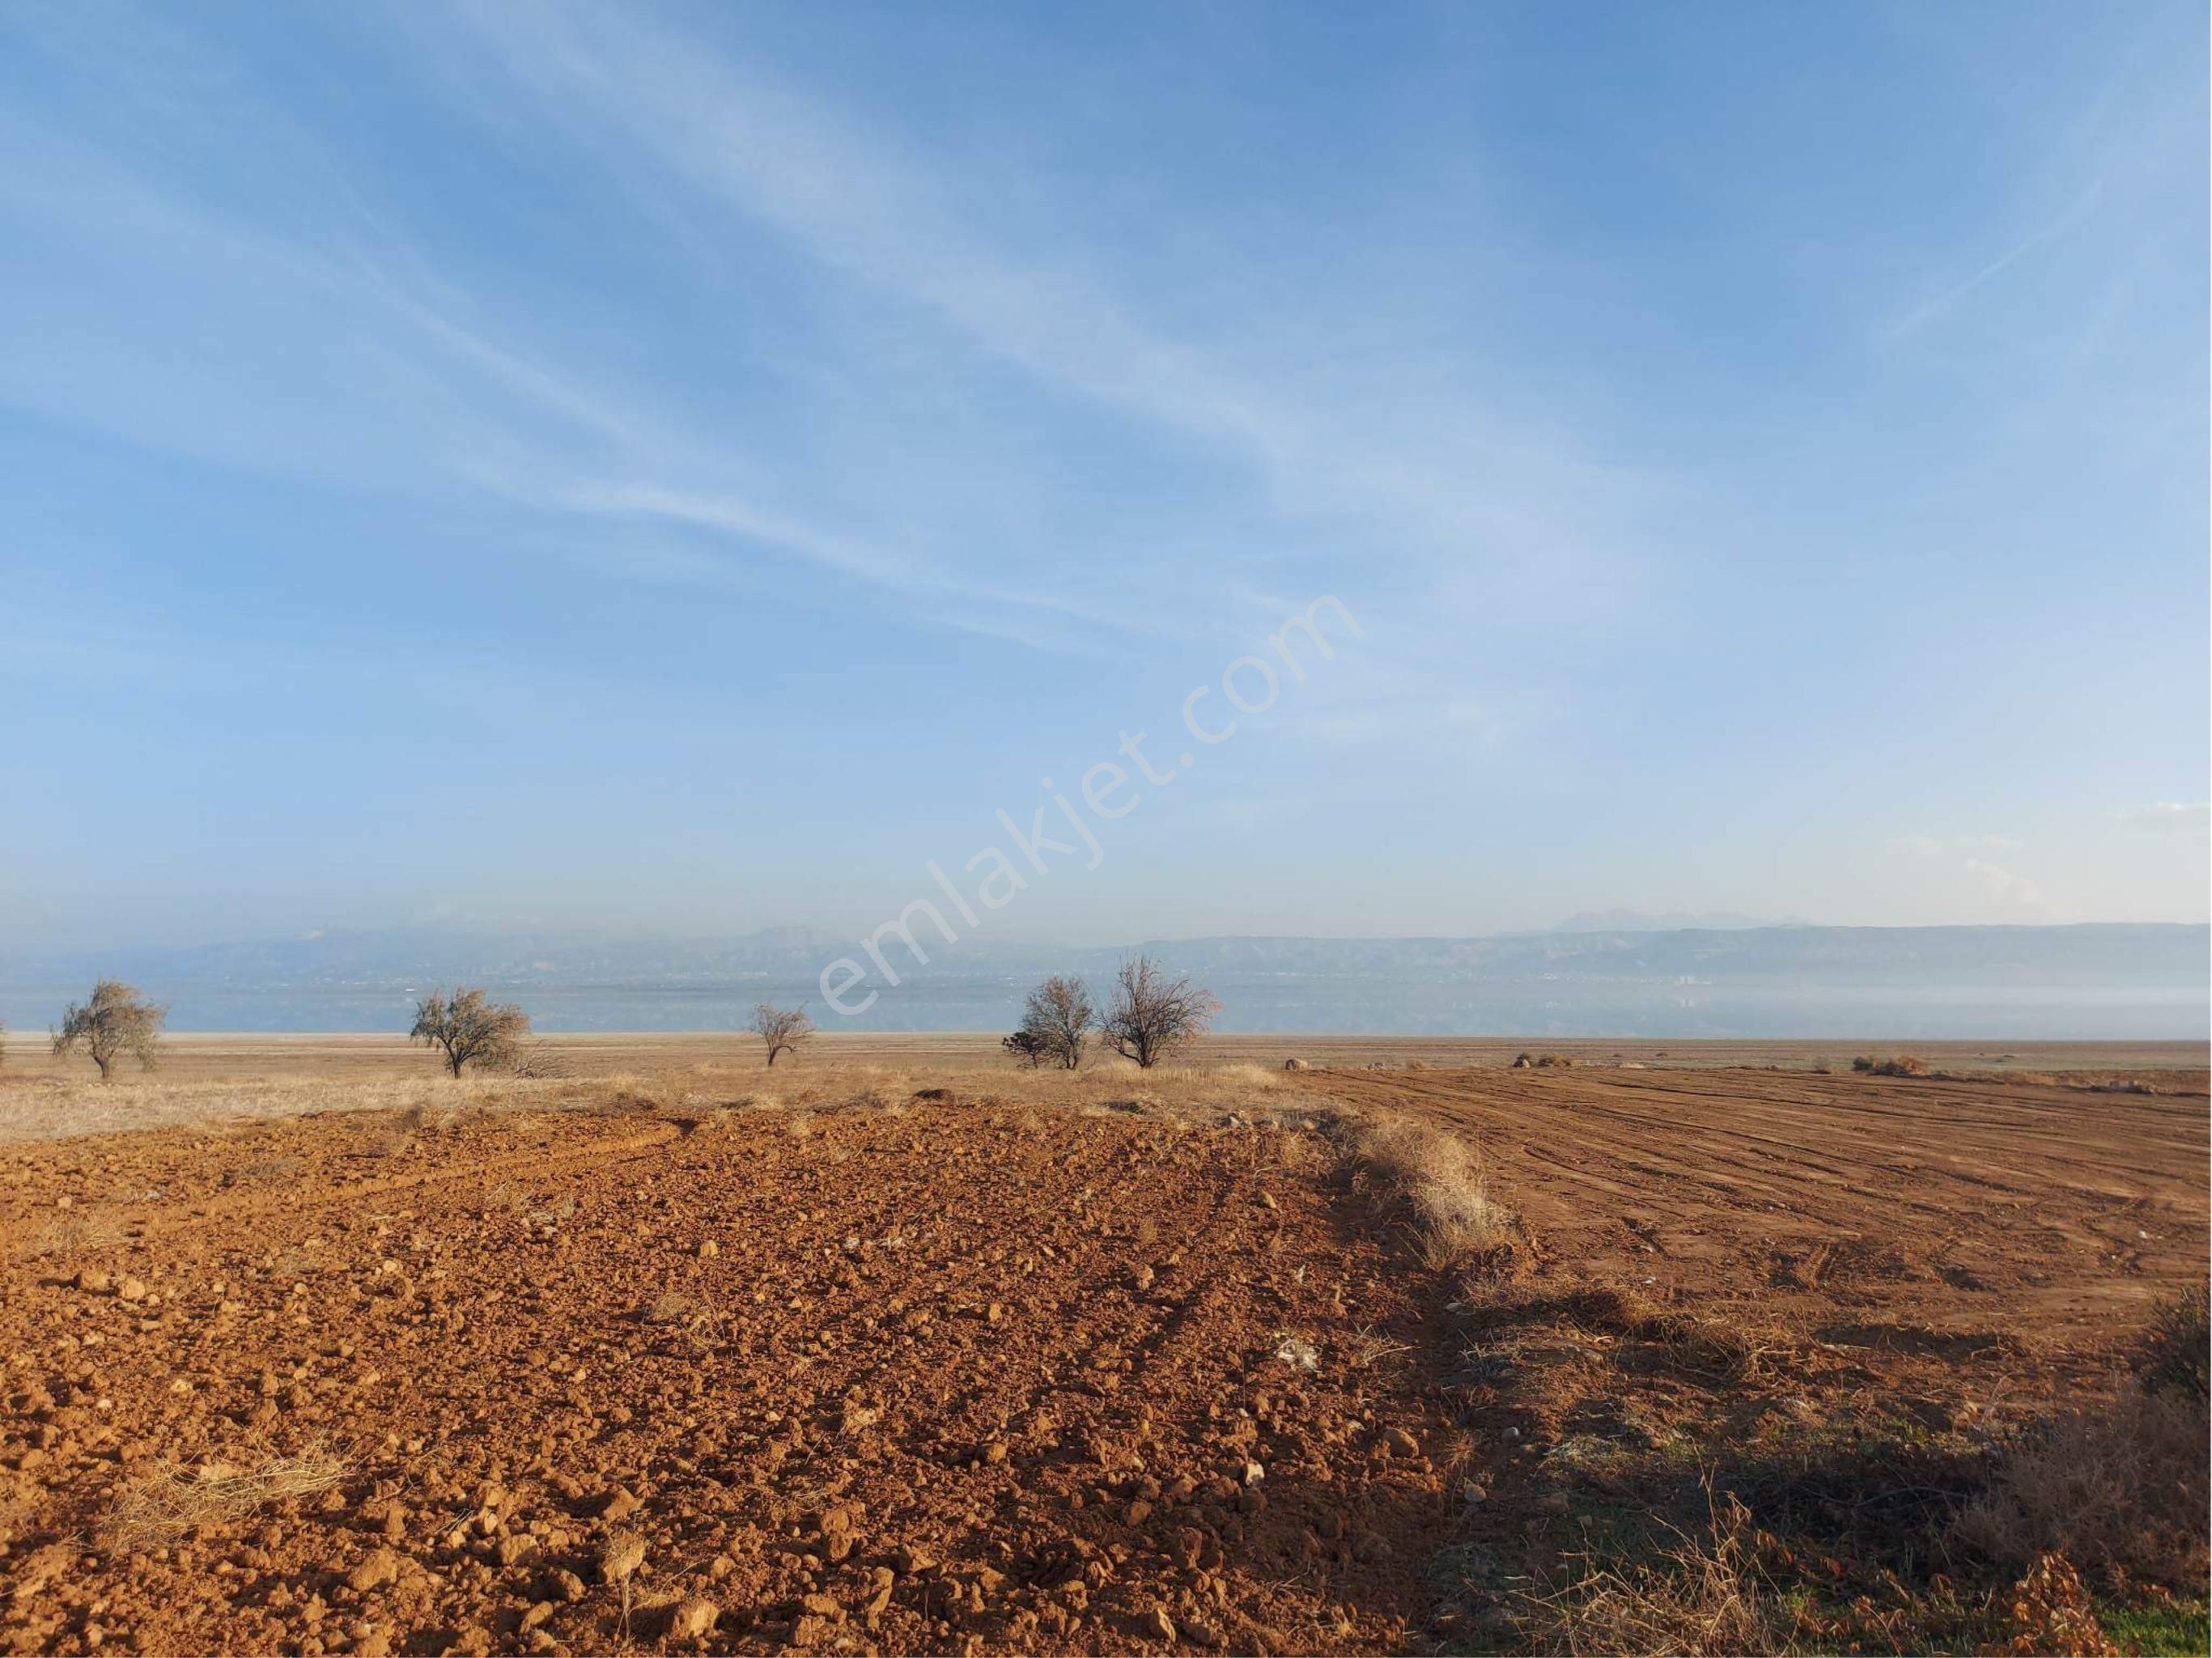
{"points": [[2121, 1490], [1902, 1064], [2173, 1355], [536, 1062]]}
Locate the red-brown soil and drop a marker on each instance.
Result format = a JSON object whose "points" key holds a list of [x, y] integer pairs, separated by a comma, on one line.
{"points": [[765, 1337], [952, 1377]]}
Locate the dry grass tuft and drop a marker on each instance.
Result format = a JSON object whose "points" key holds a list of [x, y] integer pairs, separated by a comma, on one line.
{"points": [[1682, 1341], [74, 1233], [1708, 1593], [1439, 1177], [168, 1502]]}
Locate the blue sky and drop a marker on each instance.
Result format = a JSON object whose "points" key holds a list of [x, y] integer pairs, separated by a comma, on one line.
{"points": [[689, 469]]}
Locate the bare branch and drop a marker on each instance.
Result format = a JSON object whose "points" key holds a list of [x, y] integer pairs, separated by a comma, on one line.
{"points": [[1152, 1016], [781, 1028]]}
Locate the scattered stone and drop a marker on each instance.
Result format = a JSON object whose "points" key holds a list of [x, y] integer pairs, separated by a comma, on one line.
{"points": [[537, 1614], [1396, 1442], [379, 1567], [707, 1251], [1253, 1474], [1158, 1625], [94, 1282], [568, 1585], [130, 1289], [692, 1618], [882, 1581], [619, 1507]]}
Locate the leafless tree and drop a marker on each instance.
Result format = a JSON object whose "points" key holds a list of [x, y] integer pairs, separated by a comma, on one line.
{"points": [[781, 1028], [115, 1021], [469, 1028], [1055, 1020], [1151, 1016]]}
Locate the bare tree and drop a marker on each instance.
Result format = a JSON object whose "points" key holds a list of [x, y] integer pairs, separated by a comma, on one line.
{"points": [[781, 1028], [470, 1028], [1055, 1019], [115, 1021], [1151, 1016]]}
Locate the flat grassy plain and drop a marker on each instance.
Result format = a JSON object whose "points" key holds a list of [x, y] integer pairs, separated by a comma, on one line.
{"points": [[1686, 1347]]}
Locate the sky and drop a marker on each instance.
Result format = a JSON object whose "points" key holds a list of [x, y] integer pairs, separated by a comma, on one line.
{"points": [[692, 469]]}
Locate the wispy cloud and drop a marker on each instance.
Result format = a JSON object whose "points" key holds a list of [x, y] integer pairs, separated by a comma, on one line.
{"points": [[1447, 480], [1941, 845], [409, 393], [2169, 818], [2076, 214]]}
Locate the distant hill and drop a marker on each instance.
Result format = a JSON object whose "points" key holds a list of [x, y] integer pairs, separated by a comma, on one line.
{"points": [[2115, 980], [1638, 920]]}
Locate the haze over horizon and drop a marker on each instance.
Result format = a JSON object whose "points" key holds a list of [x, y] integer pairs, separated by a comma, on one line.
{"points": [[535, 467]]}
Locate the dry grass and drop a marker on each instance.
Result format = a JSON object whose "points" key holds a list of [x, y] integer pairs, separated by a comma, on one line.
{"points": [[166, 1503], [52, 1108], [74, 1233], [2119, 1490], [1439, 1178], [1683, 1341], [1707, 1594]]}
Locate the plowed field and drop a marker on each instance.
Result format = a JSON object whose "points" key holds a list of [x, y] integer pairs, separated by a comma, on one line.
{"points": [[1003, 1365]]}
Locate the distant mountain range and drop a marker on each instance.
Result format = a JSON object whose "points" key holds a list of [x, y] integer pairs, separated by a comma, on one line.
{"points": [[2115, 980], [1640, 920]]}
